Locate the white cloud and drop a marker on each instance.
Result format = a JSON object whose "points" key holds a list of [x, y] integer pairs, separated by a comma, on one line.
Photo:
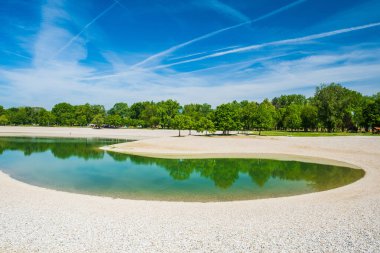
{"points": [[52, 37], [67, 82]]}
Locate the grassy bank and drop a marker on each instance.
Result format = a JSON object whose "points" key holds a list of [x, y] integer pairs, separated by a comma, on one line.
{"points": [[310, 134]]}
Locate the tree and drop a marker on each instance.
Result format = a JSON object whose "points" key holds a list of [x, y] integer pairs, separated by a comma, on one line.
{"points": [[292, 117], [114, 120], [196, 112], [97, 109], [227, 117], [167, 110], [145, 114], [309, 117], [134, 122], [280, 117], [283, 117], [286, 100], [181, 122], [150, 115], [83, 114], [98, 120], [191, 125], [45, 118], [204, 124], [136, 109], [81, 120], [336, 106], [248, 112], [121, 109], [4, 120], [64, 114], [19, 116], [205, 110], [372, 114], [265, 116], [359, 114]]}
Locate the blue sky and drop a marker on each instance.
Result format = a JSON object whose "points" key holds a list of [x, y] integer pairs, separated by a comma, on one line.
{"points": [[215, 51]]}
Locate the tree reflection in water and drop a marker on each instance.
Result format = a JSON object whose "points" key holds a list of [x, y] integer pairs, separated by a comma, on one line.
{"points": [[225, 171], [62, 148]]}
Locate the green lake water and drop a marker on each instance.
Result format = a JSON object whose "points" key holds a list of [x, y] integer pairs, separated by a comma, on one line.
{"points": [[78, 165]]}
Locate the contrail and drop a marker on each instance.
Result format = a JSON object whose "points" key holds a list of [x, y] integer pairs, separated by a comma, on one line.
{"points": [[279, 10], [174, 48], [274, 43], [252, 47], [164, 66], [84, 28], [16, 54], [122, 5], [249, 62], [199, 53]]}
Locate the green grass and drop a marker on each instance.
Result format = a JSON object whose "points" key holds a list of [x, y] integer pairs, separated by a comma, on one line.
{"points": [[309, 134]]}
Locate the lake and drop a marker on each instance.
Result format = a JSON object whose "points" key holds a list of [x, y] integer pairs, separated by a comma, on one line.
{"points": [[78, 165]]}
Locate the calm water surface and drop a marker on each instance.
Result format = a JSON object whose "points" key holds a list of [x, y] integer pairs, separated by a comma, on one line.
{"points": [[77, 165]]}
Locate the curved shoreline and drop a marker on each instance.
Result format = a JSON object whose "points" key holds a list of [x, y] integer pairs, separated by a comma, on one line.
{"points": [[206, 200], [344, 219], [271, 156]]}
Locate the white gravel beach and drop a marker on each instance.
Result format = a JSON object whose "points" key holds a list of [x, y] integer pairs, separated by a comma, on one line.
{"points": [[345, 219]]}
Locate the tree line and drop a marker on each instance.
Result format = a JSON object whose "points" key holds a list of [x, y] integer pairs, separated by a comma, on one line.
{"points": [[332, 108]]}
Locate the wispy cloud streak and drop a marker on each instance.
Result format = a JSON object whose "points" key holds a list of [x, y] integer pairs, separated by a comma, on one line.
{"points": [[284, 8], [208, 35], [84, 29], [16, 54], [200, 53], [276, 43], [122, 5]]}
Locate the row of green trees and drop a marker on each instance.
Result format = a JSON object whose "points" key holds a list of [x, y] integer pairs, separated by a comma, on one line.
{"points": [[332, 108]]}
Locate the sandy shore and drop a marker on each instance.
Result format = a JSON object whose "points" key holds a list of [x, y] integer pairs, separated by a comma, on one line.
{"points": [[346, 219], [72, 132]]}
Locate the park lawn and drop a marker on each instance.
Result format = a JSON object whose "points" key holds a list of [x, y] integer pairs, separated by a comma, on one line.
{"points": [[309, 134]]}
